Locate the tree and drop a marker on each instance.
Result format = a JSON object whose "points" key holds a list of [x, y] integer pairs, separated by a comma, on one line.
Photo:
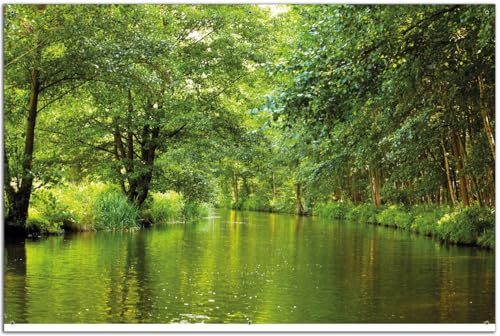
{"points": [[48, 56]]}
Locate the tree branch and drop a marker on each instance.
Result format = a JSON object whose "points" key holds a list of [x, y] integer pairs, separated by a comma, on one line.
{"points": [[60, 96], [99, 147]]}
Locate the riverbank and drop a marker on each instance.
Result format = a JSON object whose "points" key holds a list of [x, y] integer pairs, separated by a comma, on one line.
{"points": [[472, 225], [101, 206]]}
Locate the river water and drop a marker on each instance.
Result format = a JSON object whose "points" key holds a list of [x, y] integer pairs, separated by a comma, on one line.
{"points": [[240, 267]]}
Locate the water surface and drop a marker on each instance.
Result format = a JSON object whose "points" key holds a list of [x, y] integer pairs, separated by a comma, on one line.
{"points": [[241, 267]]}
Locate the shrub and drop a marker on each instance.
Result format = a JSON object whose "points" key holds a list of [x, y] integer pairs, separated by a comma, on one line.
{"points": [[395, 216], [113, 211], [465, 225], [256, 203], [37, 223], [335, 210], [46, 213], [366, 213], [80, 202], [403, 219], [192, 210], [164, 207], [426, 218], [283, 205], [487, 238]]}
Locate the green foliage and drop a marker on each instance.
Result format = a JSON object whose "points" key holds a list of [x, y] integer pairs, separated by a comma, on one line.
{"points": [[466, 225], [395, 216], [364, 213], [335, 210], [48, 212], [389, 104], [193, 210], [426, 218], [112, 211], [80, 201], [463, 225], [37, 223], [84, 207], [256, 202], [283, 205], [164, 207], [487, 239]]}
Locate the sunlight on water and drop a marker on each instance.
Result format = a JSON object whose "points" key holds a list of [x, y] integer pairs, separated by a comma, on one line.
{"points": [[244, 267]]}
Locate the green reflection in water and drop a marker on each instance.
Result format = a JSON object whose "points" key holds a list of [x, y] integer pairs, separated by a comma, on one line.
{"points": [[248, 267]]}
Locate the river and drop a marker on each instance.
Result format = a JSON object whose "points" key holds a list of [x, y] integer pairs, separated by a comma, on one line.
{"points": [[241, 267]]}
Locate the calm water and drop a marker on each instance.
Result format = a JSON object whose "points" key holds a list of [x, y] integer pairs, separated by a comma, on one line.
{"points": [[248, 267]]}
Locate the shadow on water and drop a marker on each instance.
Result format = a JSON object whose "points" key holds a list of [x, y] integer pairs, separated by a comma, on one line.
{"points": [[15, 282]]}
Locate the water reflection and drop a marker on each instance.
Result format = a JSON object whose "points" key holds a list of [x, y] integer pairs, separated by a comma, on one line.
{"points": [[248, 267]]}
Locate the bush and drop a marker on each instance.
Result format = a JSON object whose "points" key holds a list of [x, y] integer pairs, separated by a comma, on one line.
{"points": [[192, 210], [37, 223], [426, 218], [334, 210], [80, 202], [466, 225], [395, 216], [112, 211], [487, 238], [283, 205], [366, 213], [46, 213], [256, 203], [164, 207]]}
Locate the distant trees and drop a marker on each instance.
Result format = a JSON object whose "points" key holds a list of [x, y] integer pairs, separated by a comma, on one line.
{"points": [[398, 96]]}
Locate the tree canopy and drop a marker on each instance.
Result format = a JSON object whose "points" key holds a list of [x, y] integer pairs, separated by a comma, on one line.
{"points": [[273, 108]]}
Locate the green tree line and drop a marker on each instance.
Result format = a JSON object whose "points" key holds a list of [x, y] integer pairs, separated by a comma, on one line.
{"points": [[249, 107]]}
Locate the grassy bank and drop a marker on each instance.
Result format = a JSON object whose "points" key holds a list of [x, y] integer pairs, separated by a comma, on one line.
{"points": [[460, 225], [99, 206]]}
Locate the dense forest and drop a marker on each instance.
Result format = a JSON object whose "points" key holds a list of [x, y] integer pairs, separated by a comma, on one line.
{"points": [[122, 116]]}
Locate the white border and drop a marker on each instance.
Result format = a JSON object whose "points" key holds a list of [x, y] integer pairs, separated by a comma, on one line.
{"points": [[254, 328], [341, 327]]}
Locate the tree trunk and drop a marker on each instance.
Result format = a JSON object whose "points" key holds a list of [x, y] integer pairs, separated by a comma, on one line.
{"points": [[150, 139], [375, 183], [448, 176], [484, 114], [274, 187], [19, 200], [459, 154], [298, 197], [235, 187]]}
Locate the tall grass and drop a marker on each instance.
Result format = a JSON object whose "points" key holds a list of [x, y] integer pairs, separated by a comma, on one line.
{"points": [[94, 206], [166, 207], [112, 211], [163, 207], [193, 210]]}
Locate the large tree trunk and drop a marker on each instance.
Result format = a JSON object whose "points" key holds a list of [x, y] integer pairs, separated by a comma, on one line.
{"points": [[448, 176], [460, 155], [142, 183], [298, 196], [375, 183], [19, 200]]}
